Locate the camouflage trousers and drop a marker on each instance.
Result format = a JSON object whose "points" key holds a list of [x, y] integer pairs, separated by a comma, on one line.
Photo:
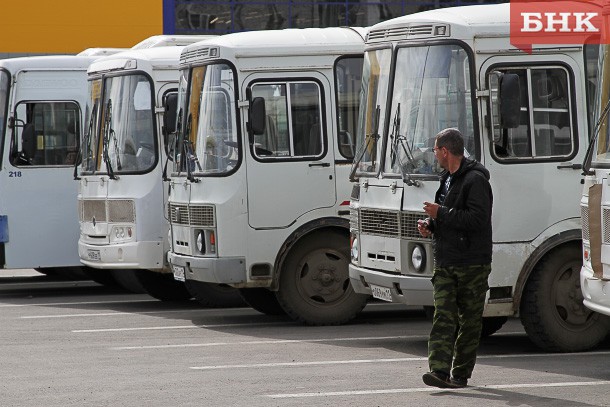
{"points": [[459, 299]]}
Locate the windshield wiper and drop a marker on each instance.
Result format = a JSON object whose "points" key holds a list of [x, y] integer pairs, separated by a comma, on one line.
{"points": [[586, 164], [109, 132], [87, 139], [188, 154], [398, 140], [365, 145]]}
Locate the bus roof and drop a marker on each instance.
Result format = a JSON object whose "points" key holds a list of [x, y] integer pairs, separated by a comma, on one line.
{"points": [[169, 41], [464, 21], [167, 57], [51, 62], [287, 42]]}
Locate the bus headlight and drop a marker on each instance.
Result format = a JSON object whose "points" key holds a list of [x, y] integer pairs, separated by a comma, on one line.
{"points": [[418, 258], [205, 241], [200, 242]]}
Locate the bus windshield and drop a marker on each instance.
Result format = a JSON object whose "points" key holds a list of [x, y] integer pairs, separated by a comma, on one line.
{"points": [[373, 100], [601, 107], [128, 128], [431, 92], [208, 142]]}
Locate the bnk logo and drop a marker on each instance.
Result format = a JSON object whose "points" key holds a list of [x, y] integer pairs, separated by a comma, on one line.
{"points": [[558, 22]]}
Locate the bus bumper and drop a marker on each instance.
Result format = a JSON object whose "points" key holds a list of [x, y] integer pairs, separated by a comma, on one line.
{"points": [[133, 255], [225, 270], [596, 292], [409, 290]]}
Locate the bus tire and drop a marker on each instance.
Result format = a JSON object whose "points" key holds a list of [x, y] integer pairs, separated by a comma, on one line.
{"points": [[552, 310], [214, 295], [262, 300], [314, 286], [162, 286]]}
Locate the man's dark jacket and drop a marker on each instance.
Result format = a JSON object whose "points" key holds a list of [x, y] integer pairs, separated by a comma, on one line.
{"points": [[462, 228]]}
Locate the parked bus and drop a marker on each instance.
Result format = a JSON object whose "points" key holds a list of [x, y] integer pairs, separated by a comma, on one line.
{"points": [[121, 195], [595, 202], [524, 116], [42, 100], [259, 192]]}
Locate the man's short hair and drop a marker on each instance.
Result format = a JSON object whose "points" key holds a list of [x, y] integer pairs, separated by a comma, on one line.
{"points": [[452, 140]]}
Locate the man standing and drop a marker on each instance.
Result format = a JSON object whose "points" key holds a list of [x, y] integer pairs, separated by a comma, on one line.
{"points": [[460, 223]]}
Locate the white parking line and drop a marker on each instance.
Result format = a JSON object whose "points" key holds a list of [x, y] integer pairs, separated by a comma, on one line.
{"points": [[319, 363], [105, 314], [269, 342], [280, 341], [160, 328], [433, 389], [45, 304], [410, 359]]}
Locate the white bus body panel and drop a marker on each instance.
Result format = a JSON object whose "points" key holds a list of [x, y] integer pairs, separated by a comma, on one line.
{"points": [[39, 201]]}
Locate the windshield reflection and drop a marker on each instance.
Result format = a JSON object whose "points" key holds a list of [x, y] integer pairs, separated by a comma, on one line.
{"points": [[129, 127], [431, 92], [601, 108], [120, 134], [374, 91], [208, 144]]}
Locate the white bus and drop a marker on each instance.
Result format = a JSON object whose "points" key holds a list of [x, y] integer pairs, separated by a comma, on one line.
{"points": [[524, 117], [121, 195], [595, 202], [42, 100], [259, 195]]}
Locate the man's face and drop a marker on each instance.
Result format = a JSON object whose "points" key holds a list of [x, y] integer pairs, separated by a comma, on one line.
{"points": [[441, 155]]}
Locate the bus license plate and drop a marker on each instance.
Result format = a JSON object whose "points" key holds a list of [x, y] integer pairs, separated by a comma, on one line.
{"points": [[93, 255], [381, 293], [178, 273]]}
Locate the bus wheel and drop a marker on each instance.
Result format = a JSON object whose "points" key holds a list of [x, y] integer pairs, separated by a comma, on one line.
{"points": [[128, 279], [314, 285], [162, 286], [491, 325], [552, 310], [262, 300], [214, 295]]}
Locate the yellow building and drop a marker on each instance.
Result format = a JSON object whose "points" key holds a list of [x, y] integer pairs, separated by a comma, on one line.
{"points": [[70, 26]]}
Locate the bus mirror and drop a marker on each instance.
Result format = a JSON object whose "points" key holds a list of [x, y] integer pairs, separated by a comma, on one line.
{"points": [[170, 114], [510, 103], [257, 115]]}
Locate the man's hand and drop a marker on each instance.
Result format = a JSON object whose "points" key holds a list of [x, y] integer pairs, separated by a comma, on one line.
{"points": [[422, 228], [431, 209]]}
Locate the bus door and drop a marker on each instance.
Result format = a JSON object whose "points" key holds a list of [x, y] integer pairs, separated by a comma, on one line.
{"points": [[38, 190], [534, 165], [290, 166]]}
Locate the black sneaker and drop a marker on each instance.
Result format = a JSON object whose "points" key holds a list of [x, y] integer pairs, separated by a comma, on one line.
{"points": [[458, 381], [437, 379]]}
